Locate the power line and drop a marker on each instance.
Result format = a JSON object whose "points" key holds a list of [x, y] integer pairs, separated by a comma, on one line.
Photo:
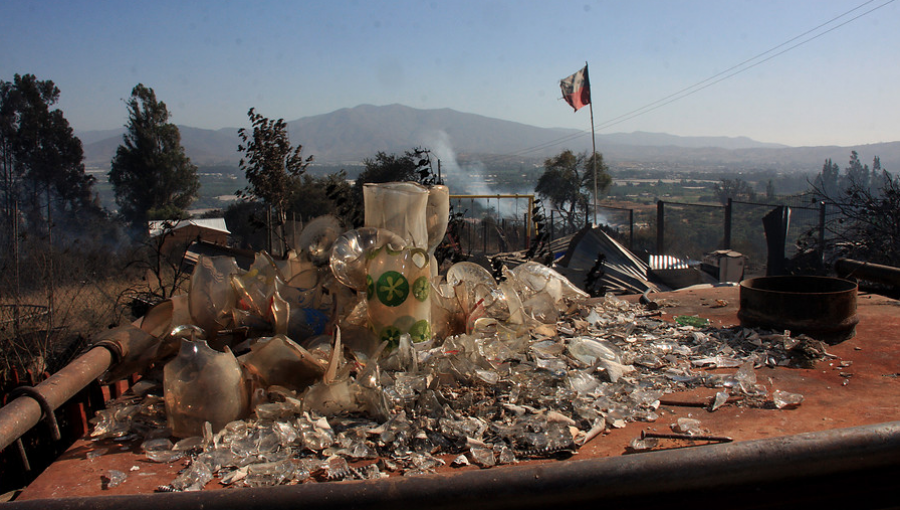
{"points": [[712, 80], [722, 76]]}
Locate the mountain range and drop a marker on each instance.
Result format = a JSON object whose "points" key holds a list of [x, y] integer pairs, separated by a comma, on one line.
{"points": [[349, 135]]}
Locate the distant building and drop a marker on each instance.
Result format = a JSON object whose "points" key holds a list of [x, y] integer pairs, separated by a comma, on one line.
{"points": [[184, 232]]}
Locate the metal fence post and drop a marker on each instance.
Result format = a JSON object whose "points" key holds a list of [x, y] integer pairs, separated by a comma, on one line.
{"points": [[660, 226], [822, 234], [728, 209], [525, 231], [552, 227], [631, 229]]}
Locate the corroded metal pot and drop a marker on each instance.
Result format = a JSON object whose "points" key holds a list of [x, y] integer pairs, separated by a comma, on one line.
{"points": [[821, 307]]}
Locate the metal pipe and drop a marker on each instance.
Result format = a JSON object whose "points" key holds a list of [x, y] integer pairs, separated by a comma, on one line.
{"points": [[878, 273], [17, 417], [824, 466]]}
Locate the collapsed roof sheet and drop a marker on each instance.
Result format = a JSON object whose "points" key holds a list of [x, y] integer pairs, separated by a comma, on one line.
{"points": [[156, 227], [623, 271]]}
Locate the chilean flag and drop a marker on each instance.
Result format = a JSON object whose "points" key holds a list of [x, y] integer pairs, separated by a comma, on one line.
{"points": [[576, 89]]}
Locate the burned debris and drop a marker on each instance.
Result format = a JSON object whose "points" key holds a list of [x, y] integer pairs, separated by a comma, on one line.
{"points": [[370, 363]]}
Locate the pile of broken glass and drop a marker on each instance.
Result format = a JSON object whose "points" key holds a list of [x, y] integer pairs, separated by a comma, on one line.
{"points": [[522, 366]]}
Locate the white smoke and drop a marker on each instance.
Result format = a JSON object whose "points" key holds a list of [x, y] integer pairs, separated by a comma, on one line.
{"points": [[469, 179]]}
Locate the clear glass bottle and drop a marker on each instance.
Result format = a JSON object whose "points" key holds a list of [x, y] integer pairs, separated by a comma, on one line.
{"points": [[202, 384]]}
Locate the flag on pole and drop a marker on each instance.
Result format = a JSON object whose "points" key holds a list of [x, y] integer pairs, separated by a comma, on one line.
{"points": [[576, 89]]}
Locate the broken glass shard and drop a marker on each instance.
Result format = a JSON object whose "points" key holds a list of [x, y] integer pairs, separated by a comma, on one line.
{"points": [[720, 399], [269, 474], [639, 444], [482, 457], [786, 400], [201, 385], [588, 350], [688, 426], [193, 478], [116, 478]]}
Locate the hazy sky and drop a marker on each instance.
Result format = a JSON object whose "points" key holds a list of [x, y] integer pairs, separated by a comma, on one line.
{"points": [[211, 61]]}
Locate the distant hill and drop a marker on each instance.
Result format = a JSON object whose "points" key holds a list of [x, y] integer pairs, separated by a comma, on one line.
{"points": [[353, 134], [696, 142], [203, 146], [90, 137]]}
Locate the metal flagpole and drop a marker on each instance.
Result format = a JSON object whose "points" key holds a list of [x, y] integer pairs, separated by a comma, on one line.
{"points": [[593, 145]]}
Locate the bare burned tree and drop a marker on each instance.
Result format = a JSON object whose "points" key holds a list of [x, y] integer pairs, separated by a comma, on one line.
{"points": [[864, 209]]}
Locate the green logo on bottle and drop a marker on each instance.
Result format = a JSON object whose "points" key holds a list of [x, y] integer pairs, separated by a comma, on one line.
{"points": [[392, 288], [421, 287], [420, 331], [391, 335]]}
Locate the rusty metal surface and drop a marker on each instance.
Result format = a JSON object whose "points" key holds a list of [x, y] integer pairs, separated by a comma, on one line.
{"points": [[859, 387]]}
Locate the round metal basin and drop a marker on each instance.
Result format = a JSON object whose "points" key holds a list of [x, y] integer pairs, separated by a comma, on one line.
{"points": [[821, 307]]}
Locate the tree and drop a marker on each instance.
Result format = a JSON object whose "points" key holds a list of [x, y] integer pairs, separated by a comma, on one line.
{"points": [[272, 167], [246, 222], [863, 212], [311, 195], [391, 167], [856, 174], [152, 176], [770, 191], [40, 157], [42, 184], [413, 165], [828, 181], [734, 189], [568, 181], [875, 181]]}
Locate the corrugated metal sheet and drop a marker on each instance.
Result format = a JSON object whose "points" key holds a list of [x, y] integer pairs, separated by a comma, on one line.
{"points": [[667, 262], [623, 271]]}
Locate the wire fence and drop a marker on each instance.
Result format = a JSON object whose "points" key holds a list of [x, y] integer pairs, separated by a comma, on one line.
{"points": [[493, 224], [53, 298], [56, 292], [620, 221], [685, 230], [557, 225], [691, 230]]}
